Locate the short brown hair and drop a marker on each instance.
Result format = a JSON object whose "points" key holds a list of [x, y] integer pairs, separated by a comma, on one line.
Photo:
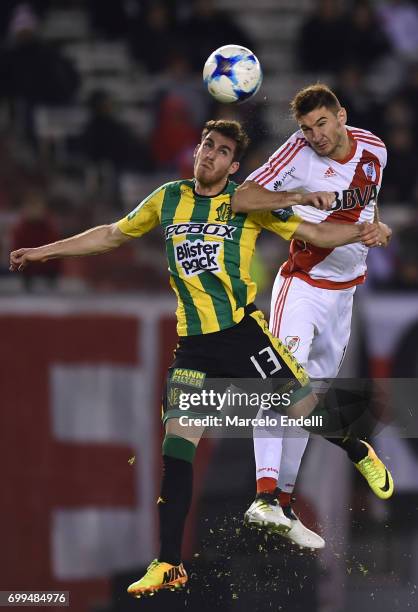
{"points": [[230, 129], [313, 97]]}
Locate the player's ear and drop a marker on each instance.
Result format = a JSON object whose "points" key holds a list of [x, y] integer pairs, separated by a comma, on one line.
{"points": [[234, 167], [342, 115]]}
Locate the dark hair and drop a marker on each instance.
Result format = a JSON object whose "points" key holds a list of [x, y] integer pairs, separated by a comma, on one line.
{"points": [[313, 97], [230, 129]]}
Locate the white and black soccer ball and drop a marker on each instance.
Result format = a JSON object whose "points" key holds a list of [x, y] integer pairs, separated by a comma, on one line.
{"points": [[232, 74]]}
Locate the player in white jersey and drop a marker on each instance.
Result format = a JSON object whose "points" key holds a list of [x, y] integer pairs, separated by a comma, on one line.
{"points": [[313, 292]]}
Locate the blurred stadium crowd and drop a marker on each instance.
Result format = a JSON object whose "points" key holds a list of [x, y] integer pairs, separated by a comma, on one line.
{"points": [[100, 102]]}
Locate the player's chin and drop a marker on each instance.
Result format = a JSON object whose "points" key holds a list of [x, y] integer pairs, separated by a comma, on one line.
{"points": [[323, 151], [204, 174]]}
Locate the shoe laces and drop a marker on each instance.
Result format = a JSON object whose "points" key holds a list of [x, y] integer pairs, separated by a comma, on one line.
{"points": [[371, 467], [266, 500], [153, 565]]}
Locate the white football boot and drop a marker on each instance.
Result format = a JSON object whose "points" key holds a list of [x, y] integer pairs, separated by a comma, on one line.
{"points": [[265, 513], [299, 534]]}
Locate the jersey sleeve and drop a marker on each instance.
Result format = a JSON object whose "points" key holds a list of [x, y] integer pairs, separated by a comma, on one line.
{"points": [[286, 169], [282, 222], [383, 157], [145, 216]]}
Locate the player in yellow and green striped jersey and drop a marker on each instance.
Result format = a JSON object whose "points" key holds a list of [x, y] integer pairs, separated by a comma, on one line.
{"points": [[209, 251], [221, 332]]}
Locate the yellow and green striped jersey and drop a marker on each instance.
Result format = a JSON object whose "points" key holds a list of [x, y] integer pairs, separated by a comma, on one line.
{"points": [[209, 251]]}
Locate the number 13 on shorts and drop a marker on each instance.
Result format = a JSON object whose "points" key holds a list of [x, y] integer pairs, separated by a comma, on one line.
{"points": [[264, 358]]}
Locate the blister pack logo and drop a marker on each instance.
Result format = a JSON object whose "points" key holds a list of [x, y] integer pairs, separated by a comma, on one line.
{"points": [[198, 256]]}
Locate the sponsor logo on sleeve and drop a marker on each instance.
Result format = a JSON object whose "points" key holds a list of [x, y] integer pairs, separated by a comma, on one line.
{"points": [[283, 213], [278, 184]]}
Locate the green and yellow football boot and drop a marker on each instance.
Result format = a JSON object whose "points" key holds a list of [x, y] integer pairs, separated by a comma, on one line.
{"points": [[376, 473], [160, 575]]}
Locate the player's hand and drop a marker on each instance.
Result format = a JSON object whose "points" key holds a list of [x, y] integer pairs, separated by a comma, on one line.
{"points": [[369, 234], [385, 234], [319, 199], [22, 257]]}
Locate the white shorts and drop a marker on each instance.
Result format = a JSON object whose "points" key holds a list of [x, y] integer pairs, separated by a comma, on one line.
{"points": [[314, 324]]}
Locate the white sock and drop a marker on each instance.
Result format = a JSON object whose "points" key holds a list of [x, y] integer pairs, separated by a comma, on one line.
{"points": [[294, 444], [268, 447]]}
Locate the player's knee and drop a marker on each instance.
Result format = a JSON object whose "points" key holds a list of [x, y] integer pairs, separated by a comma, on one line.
{"points": [[191, 433]]}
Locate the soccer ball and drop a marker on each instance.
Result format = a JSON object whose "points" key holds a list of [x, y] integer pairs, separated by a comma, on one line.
{"points": [[232, 74]]}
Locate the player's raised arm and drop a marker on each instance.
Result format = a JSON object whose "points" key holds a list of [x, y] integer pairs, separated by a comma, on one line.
{"points": [[331, 235], [251, 196], [93, 241]]}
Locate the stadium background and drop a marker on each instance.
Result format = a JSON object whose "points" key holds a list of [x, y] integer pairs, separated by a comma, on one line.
{"points": [[100, 103]]}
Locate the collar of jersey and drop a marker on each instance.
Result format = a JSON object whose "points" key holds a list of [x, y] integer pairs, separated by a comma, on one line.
{"points": [[352, 151]]}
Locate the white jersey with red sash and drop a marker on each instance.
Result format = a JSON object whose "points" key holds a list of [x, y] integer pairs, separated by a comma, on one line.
{"points": [[356, 181]]}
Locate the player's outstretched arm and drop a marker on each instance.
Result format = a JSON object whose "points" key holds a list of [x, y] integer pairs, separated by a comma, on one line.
{"points": [[250, 196], [95, 240], [331, 235]]}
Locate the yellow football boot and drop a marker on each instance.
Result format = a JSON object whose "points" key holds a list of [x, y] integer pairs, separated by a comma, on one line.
{"points": [[376, 473], [160, 575]]}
